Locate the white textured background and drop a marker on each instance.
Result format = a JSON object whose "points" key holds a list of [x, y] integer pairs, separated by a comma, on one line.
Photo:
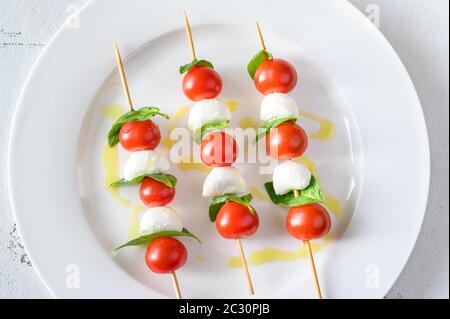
{"points": [[418, 30]]}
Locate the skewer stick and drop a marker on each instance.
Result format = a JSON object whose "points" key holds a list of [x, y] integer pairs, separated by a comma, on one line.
{"points": [[189, 37], [311, 261], [313, 268], [248, 279], [176, 286], [123, 76], [260, 37]]}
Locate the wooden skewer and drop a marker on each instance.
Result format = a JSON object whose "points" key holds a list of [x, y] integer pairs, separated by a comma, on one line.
{"points": [[260, 37], [313, 268], [176, 286], [189, 37], [123, 76], [248, 279], [311, 260]]}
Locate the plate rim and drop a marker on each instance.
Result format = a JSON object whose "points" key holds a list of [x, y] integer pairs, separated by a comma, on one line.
{"points": [[57, 34], [12, 130]]}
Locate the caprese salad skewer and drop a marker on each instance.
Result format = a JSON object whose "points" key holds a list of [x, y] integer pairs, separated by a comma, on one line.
{"points": [[209, 119], [293, 184], [137, 133]]}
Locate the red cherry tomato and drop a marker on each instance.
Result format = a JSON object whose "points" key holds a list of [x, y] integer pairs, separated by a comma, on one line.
{"points": [[154, 193], [140, 136], [218, 149], [236, 221], [308, 222], [275, 76], [201, 83], [286, 141], [165, 255]]}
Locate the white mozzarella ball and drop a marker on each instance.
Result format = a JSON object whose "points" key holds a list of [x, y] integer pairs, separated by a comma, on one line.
{"points": [[208, 111], [144, 163], [289, 176], [158, 219], [224, 180], [277, 106]]}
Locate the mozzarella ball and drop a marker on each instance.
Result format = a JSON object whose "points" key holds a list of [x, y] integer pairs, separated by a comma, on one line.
{"points": [[158, 219], [208, 111], [289, 176], [144, 163], [277, 106], [224, 180]]}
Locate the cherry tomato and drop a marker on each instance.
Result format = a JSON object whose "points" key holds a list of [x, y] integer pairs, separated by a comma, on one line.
{"points": [[218, 149], [286, 141], [308, 222], [140, 136], [154, 193], [275, 76], [165, 255], [201, 83], [236, 221]]}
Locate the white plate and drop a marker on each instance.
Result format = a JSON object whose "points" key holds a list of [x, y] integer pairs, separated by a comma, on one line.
{"points": [[376, 164]]}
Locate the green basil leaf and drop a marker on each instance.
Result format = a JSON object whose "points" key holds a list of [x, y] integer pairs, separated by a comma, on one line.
{"points": [[148, 239], [218, 202], [141, 115], [209, 127], [185, 68], [270, 125], [124, 182], [215, 207], [310, 195], [166, 179], [257, 60]]}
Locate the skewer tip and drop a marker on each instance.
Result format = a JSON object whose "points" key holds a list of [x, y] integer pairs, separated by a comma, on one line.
{"points": [[117, 51], [189, 36], [122, 75], [258, 28], [260, 37]]}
